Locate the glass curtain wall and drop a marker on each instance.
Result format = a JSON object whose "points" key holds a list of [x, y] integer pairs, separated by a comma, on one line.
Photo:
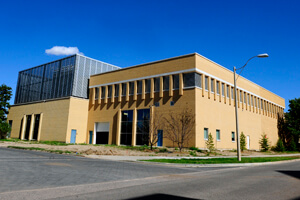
{"points": [[142, 127]]}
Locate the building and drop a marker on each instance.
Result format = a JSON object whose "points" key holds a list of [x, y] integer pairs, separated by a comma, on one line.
{"points": [[51, 100], [120, 100]]}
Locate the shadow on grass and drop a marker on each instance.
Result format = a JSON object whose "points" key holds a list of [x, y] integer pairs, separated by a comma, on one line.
{"points": [[161, 196], [295, 174]]}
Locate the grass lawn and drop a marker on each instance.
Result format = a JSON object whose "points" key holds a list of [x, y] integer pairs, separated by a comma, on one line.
{"points": [[224, 160]]}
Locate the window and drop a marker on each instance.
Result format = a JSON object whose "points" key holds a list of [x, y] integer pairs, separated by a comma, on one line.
{"points": [[254, 101], [232, 93], [218, 135], [156, 84], [166, 83], [142, 127], [262, 106], [223, 89], [176, 81], [245, 98], [192, 79], [124, 88], [212, 84], [156, 104], [109, 91], [227, 91], [205, 133], [172, 103], [258, 104], [198, 80], [131, 88], [139, 87], [103, 92], [218, 87], [126, 127], [232, 136], [116, 90], [147, 85], [96, 93], [241, 97], [251, 97], [206, 82]]}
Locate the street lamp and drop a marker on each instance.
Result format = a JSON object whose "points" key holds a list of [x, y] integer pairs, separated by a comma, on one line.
{"points": [[264, 55]]}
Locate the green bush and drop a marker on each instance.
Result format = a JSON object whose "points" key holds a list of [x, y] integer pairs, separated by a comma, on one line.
{"points": [[243, 142], [163, 150], [193, 153], [292, 145], [264, 142], [193, 148], [279, 146]]}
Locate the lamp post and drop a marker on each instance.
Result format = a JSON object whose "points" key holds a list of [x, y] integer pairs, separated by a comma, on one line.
{"points": [[264, 55]]}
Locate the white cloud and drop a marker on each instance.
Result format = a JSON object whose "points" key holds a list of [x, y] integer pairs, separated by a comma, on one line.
{"points": [[62, 51]]}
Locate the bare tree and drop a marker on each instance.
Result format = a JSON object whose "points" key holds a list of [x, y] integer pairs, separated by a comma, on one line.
{"points": [[178, 127]]}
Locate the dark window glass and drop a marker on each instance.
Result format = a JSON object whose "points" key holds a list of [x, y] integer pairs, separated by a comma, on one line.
{"points": [[103, 92], [131, 88], [147, 85], [124, 87], [198, 80], [189, 79], [139, 87], [206, 82], [116, 90], [157, 84], [212, 84], [96, 93], [142, 129], [227, 91], [126, 127], [176, 81], [109, 91], [223, 89], [166, 83], [218, 87]]}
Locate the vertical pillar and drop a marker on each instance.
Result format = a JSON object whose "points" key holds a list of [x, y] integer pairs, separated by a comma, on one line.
{"points": [[106, 94], [23, 127], [112, 94], [161, 87], [40, 127], [118, 134], [127, 91], [181, 84], [133, 141], [120, 92], [215, 89], [221, 90], [243, 98], [246, 100], [152, 88], [135, 90], [91, 100], [203, 84], [209, 87], [143, 88], [31, 127], [93, 95], [225, 92], [170, 85], [99, 95]]}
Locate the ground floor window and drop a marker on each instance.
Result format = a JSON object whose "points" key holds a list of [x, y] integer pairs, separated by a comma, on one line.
{"points": [[36, 126], [218, 135], [142, 127], [233, 136], [205, 133], [126, 127]]}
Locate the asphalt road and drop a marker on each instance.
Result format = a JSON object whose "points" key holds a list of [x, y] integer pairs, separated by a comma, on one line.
{"points": [[39, 175]]}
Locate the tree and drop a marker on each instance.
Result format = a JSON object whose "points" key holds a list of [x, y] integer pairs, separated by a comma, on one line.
{"points": [[293, 120], [178, 127], [279, 145], [210, 143], [243, 141], [5, 96], [264, 142]]}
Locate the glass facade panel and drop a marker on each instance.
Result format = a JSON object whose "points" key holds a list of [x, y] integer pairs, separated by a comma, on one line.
{"points": [[142, 127], [188, 80], [139, 87], [124, 88], [131, 88], [126, 127], [198, 80], [223, 89], [109, 92], [116, 90], [96, 93], [218, 135], [218, 87], [206, 83], [157, 84], [103, 92], [205, 133], [166, 83], [212, 85], [147, 85], [232, 93]]}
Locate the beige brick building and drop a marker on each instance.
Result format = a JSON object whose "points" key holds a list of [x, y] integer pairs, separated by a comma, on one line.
{"points": [[121, 99]]}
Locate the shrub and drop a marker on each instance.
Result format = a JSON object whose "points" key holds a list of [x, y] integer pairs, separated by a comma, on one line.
{"points": [[243, 142], [279, 146], [193, 153], [193, 148], [264, 142], [210, 143], [292, 145], [163, 150]]}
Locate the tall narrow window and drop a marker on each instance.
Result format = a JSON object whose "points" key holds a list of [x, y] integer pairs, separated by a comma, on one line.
{"points": [[166, 83], [232, 93], [139, 87], [126, 127], [218, 87], [176, 81], [206, 83], [218, 135], [241, 97], [124, 89], [103, 92], [205, 133], [142, 127], [245, 98], [255, 101], [116, 90], [223, 89], [233, 136], [109, 91], [156, 84], [147, 85], [131, 88], [198, 80], [212, 85], [96, 93]]}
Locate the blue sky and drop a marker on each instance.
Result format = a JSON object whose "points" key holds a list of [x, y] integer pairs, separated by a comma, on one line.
{"points": [[126, 33]]}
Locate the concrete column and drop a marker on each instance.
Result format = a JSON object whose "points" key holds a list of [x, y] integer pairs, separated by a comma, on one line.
{"points": [[120, 92], [225, 93], [99, 95], [112, 93], [93, 95], [161, 87], [203, 84], [181, 84], [23, 127], [91, 100], [40, 127], [106, 94], [127, 91], [170, 85], [246, 100], [215, 89], [143, 88], [133, 141], [31, 127], [209, 88], [152, 88], [243, 99], [135, 90], [220, 87], [118, 134]]}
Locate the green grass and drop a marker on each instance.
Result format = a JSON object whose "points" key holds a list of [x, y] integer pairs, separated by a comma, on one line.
{"points": [[223, 160], [40, 149]]}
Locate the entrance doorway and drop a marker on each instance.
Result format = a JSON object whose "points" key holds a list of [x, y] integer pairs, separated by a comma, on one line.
{"points": [[101, 133], [159, 138], [73, 136]]}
